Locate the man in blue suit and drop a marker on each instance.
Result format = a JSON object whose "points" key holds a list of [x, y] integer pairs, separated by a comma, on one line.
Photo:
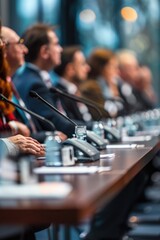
{"points": [[72, 71], [44, 53], [15, 51]]}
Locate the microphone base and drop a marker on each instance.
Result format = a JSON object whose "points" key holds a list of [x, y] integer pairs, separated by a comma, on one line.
{"points": [[85, 160], [83, 151]]}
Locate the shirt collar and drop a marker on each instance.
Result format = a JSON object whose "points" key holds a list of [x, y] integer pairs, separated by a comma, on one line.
{"points": [[44, 74], [71, 87]]}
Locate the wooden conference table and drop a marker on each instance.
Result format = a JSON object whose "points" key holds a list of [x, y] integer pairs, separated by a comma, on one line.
{"points": [[90, 191]]}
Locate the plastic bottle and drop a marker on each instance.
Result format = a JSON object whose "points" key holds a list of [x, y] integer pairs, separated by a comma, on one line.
{"points": [[98, 129], [81, 132], [53, 151], [130, 126]]}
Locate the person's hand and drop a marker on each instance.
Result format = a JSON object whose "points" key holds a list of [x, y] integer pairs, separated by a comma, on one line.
{"points": [[27, 145], [61, 135], [18, 127]]}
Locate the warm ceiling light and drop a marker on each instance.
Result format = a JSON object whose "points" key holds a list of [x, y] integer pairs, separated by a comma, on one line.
{"points": [[129, 14]]}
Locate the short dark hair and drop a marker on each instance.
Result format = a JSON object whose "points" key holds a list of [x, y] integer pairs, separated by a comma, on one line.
{"points": [[67, 56], [35, 37]]}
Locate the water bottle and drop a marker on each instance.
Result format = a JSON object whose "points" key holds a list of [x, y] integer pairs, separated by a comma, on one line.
{"points": [[81, 132], [53, 151], [130, 126], [98, 128]]}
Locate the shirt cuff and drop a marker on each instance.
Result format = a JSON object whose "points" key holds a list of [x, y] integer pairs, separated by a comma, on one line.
{"points": [[11, 147]]}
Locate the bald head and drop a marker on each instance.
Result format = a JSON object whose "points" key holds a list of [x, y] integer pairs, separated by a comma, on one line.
{"points": [[126, 57], [8, 34], [14, 49], [128, 66]]}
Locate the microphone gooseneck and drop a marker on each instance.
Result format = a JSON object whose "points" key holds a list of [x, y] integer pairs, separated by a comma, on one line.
{"points": [[3, 98], [78, 99], [34, 94]]}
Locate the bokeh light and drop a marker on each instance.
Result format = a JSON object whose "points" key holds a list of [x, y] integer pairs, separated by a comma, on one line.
{"points": [[129, 14], [87, 16]]}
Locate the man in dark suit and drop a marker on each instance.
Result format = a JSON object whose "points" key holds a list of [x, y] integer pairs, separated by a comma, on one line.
{"points": [[14, 145], [72, 71], [130, 86], [44, 53]]}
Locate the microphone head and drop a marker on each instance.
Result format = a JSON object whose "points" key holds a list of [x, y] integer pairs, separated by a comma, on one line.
{"points": [[33, 94], [53, 89]]}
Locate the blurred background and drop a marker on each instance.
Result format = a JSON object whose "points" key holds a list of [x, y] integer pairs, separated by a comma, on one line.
{"points": [[115, 24]]}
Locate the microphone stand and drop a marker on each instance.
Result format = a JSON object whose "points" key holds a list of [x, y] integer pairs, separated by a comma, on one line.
{"points": [[110, 133], [88, 151], [3, 98], [33, 94], [78, 99]]}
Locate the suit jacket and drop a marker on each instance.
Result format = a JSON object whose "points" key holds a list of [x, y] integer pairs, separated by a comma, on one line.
{"points": [[30, 79], [70, 106], [23, 117], [136, 100], [91, 90]]}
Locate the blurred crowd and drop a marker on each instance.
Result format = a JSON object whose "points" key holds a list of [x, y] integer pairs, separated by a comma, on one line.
{"points": [[113, 81]]}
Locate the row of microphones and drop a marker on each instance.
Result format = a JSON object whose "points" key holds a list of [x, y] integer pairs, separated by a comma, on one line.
{"points": [[90, 103], [34, 94], [95, 140], [91, 137], [88, 152], [78, 99], [111, 134]]}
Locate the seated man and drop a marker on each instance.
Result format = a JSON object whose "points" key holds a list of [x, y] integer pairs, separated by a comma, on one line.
{"points": [[14, 144], [44, 53], [14, 51], [72, 71]]}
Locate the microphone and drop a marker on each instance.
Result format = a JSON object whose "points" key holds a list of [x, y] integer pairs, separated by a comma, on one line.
{"points": [[98, 142], [34, 94], [78, 99], [3, 98], [115, 99], [110, 134]]}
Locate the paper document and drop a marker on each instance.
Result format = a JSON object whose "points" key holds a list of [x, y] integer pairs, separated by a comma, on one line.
{"points": [[107, 155], [121, 146], [71, 170], [39, 190], [136, 138]]}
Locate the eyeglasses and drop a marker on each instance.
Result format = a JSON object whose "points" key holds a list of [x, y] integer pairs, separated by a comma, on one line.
{"points": [[19, 42]]}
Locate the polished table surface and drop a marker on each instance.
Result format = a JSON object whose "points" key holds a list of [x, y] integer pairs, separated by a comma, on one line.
{"points": [[90, 191]]}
